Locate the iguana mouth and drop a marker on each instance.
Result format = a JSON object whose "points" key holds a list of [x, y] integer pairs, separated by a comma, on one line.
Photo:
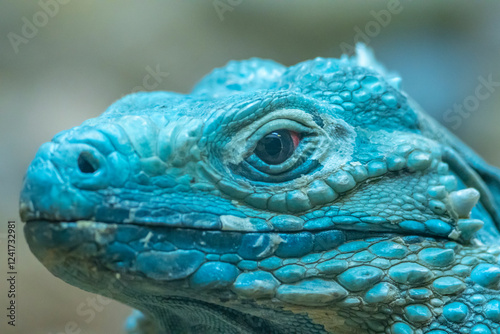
{"points": [[432, 228], [127, 247], [250, 245]]}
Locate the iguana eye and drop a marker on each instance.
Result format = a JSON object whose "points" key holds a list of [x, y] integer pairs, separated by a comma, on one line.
{"points": [[281, 152], [277, 146], [286, 144]]}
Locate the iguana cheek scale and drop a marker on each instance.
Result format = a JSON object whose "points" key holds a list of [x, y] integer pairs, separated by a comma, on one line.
{"points": [[317, 198]]}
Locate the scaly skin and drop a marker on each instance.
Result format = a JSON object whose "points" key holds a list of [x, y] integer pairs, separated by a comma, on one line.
{"points": [[378, 221]]}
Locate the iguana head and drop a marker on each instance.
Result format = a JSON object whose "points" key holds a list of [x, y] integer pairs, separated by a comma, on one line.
{"points": [[315, 189]]}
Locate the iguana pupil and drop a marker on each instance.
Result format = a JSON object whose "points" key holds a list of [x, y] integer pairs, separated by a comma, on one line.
{"points": [[276, 147]]}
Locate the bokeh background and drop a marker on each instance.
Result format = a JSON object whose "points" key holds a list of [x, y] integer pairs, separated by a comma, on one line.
{"points": [[83, 55]]}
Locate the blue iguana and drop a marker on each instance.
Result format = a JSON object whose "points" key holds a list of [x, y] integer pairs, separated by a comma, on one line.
{"points": [[316, 198]]}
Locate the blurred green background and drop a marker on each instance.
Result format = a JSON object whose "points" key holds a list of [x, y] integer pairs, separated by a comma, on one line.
{"points": [[83, 55]]}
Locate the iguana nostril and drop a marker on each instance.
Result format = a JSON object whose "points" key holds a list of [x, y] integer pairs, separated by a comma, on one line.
{"points": [[87, 163]]}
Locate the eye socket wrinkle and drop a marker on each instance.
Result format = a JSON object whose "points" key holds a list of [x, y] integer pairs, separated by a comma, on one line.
{"points": [[247, 171]]}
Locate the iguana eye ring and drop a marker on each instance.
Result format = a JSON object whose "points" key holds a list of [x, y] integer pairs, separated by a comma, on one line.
{"points": [[277, 146], [280, 155], [286, 144]]}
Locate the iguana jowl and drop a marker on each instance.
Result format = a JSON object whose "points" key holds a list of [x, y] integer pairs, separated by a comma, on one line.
{"points": [[317, 198]]}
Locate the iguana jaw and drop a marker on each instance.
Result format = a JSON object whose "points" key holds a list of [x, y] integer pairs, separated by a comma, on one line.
{"points": [[125, 261], [168, 254]]}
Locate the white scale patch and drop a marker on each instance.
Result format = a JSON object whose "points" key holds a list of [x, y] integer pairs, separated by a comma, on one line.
{"points": [[233, 223]]}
